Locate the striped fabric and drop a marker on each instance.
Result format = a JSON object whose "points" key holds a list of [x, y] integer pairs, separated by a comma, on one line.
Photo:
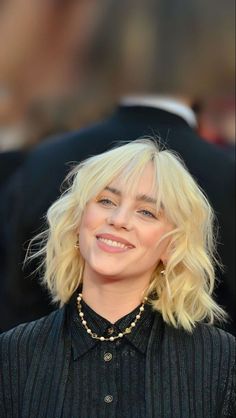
{"points": [[107, 378], [186, 376]]}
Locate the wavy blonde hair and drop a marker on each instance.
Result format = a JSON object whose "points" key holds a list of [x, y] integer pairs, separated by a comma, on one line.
{"points": [[184, 294]]}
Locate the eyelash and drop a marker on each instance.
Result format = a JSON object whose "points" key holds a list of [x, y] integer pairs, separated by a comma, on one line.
{"points": [[105, 201], [147, 213], [108, 202]]}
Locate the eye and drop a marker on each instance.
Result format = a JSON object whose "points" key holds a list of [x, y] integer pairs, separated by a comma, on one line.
{"points": [[104, 201], [147, 214]]}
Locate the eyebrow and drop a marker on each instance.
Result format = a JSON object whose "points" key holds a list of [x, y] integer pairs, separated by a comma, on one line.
{"points": [[140, 197]]}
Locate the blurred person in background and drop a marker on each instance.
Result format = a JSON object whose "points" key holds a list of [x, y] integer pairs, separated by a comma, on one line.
{"points": [[42, 54], [216, 122], [42, 58], [154, 58]]}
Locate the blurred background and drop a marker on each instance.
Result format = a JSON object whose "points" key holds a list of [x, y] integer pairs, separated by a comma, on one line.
{"points": [[63, 63], [42, 53]]}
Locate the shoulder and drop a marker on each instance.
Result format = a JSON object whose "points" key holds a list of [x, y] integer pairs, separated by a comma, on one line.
{"points": [[75, 145], [27, 357], [214, 337], [204, 335], [207, 347], [206, 343], [60, 153], [213, 332], [220, 345], [25, 338], [205, 357]]}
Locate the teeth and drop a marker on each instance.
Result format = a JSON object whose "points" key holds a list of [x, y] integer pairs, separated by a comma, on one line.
{"points": [[113, 243]]}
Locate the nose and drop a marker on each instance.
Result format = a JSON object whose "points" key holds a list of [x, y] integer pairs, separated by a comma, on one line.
{"points": [[120, 218]]}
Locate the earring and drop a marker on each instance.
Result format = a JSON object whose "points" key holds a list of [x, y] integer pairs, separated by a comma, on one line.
{"points": [[77, 244], [163, 272]]}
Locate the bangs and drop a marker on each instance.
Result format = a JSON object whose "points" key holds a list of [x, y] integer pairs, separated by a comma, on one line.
{"points": [[131, 176], [121, 163]]}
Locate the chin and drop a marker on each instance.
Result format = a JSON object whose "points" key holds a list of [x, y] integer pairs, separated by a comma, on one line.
{"points": [[106, 272]]}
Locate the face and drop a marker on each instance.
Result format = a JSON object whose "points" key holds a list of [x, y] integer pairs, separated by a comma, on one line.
{"points": [[120, 233]]}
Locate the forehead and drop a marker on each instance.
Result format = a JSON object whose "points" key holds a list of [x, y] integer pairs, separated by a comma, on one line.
{"points": [[142, 184]]}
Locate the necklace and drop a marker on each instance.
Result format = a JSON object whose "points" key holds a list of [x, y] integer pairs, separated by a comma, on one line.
{"points": [[120, 335]]}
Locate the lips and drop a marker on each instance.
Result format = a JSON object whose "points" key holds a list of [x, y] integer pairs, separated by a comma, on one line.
{"points": [[114, 241]]}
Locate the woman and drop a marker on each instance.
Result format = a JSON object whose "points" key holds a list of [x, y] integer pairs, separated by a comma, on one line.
{"points": [[129, 254]]}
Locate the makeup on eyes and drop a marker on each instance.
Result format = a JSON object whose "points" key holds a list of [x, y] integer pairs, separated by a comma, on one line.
{"points": [[107, 201]]}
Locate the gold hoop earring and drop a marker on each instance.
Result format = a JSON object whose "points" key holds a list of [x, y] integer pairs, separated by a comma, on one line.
{"points": [[77, 244]]}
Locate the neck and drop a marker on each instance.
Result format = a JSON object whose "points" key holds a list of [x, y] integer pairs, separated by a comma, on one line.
{"points": [[111, 299]]}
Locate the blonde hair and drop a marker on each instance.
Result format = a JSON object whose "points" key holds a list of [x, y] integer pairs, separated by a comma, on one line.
{"points": [[184, 294]]}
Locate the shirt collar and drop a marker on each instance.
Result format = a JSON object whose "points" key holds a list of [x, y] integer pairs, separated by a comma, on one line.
{"points": [[168, 103], [82, 341]]}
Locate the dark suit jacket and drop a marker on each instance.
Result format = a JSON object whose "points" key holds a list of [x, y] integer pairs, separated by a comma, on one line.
{"points": [[10, 161], [37, 185], [186, 375]]}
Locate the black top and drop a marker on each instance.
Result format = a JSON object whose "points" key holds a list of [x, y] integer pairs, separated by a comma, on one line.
{"points": [[186, 375], [106, 379]]}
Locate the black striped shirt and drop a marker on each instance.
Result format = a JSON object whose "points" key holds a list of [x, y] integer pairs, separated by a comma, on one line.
{"points": [[174, 375], [107, 379]]}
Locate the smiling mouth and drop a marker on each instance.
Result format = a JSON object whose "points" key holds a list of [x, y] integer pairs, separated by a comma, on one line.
{"points": [[112, 243]]}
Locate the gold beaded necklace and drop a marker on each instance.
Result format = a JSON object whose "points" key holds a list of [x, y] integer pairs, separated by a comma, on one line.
{"points": [[120, 335]]}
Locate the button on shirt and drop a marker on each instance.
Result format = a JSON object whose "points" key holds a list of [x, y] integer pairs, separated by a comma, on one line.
{"points": [[106, 378]]}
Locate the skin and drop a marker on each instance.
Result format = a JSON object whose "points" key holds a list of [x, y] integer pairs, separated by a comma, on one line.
{"points": [[117, 273]]}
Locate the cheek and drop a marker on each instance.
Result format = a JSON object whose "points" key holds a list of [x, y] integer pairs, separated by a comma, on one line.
{"points": [[88, 220], [153, 238], [85, 231]]}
